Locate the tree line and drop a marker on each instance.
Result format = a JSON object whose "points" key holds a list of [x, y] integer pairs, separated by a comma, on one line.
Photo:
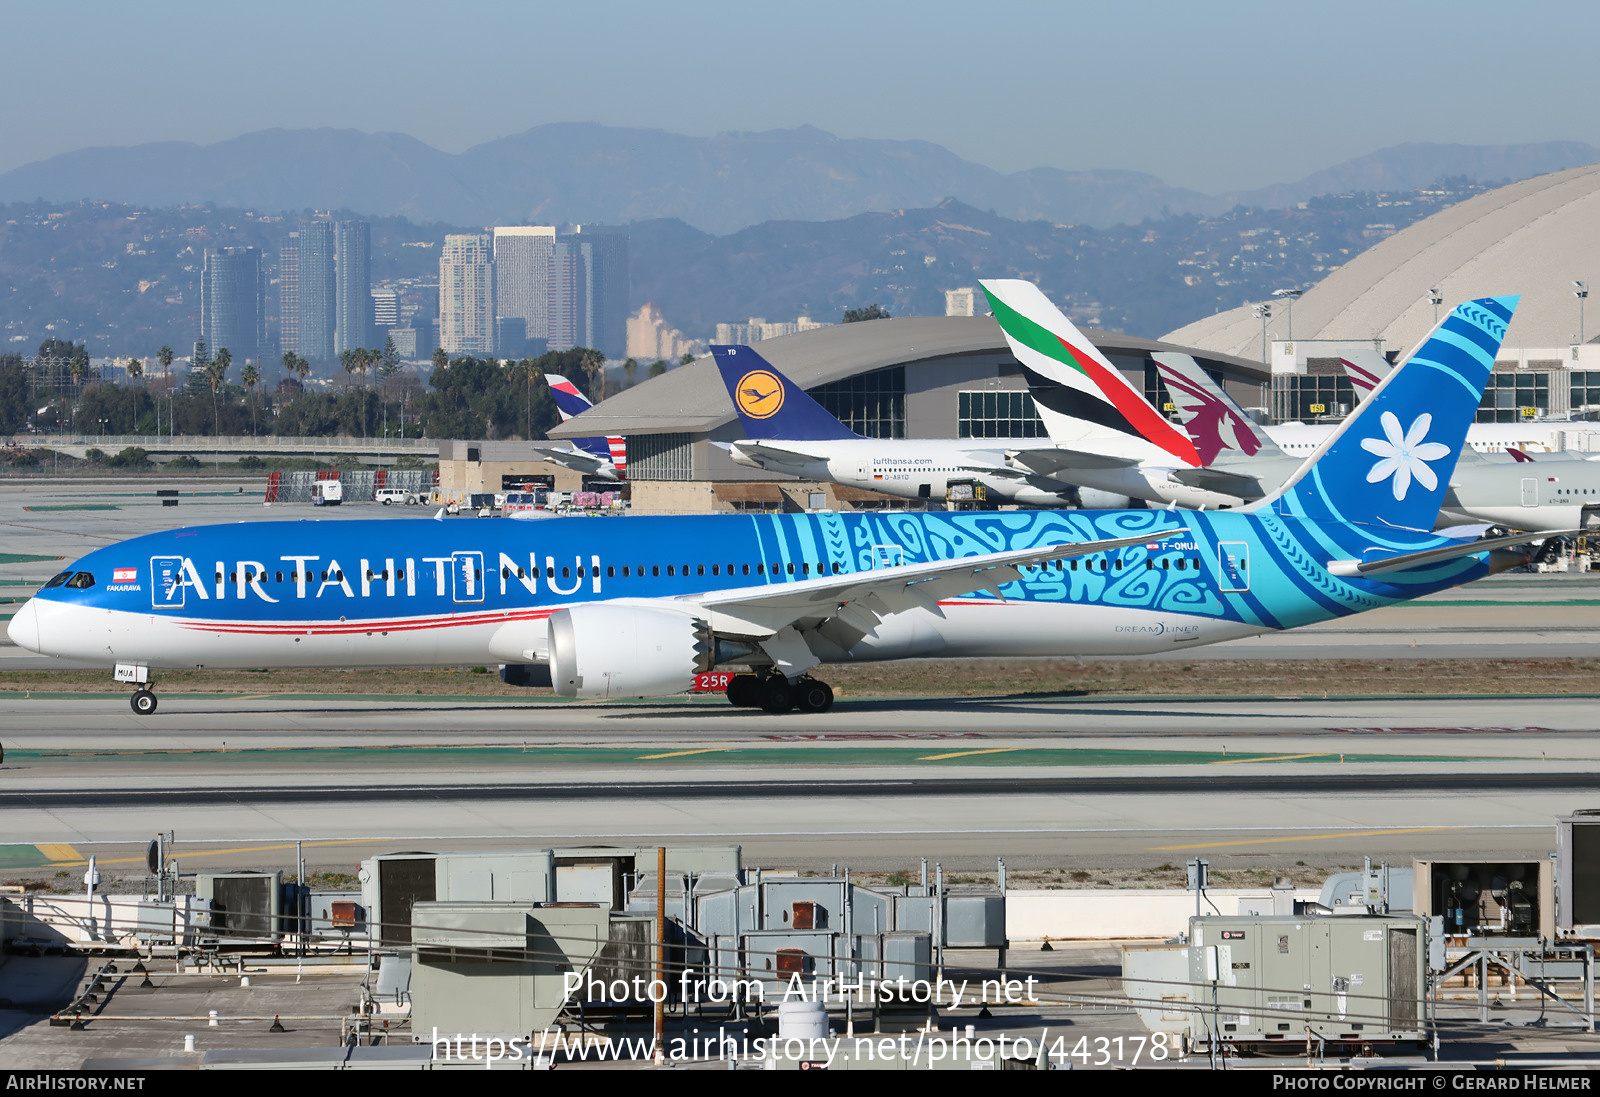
{"points": [[372, 394]]}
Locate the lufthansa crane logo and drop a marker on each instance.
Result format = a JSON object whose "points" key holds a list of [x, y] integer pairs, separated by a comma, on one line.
{"points": [[759, 394]]}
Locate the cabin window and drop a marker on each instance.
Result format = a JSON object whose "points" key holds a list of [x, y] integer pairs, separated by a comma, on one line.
{"points": [[566, 573], [549, 571], [761, 569], [716, 569], [324, 576], [746, 570], [580, 572], [278, 576], [505, 572], [805, 568], [791, 568], [669, 569], [611, 573], [655, 570], [699, 569], [1119, 565], [401, 574], [519, 574], [836, 568]]}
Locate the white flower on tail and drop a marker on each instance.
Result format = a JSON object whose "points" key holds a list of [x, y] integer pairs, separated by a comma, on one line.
{"points": [[1404, 456]]}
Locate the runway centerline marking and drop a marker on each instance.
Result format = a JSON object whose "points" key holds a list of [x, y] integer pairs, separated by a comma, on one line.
{"points": [[965, 753], [1303, 838]]}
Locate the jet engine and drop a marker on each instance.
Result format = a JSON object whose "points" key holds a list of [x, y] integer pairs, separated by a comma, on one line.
{"points": [[612, 650], [1095, 499]]}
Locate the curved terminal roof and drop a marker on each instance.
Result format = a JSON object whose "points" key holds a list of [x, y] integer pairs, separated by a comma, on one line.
{"points": [[1533, 238], [692, 398]]}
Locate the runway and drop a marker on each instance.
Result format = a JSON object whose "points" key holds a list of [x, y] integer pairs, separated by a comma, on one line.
{"points": [[1040, 782]]}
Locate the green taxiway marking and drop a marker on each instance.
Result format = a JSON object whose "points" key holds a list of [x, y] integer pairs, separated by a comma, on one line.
{"points": [[24, 558], [731, 756], [75, 506], [22, 857]]}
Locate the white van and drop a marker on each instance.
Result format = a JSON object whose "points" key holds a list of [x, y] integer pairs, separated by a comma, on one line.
{"points": [[396, 495]]}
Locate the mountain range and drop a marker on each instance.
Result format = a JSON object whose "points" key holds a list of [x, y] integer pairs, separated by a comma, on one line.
{"points": [[578, 172]]}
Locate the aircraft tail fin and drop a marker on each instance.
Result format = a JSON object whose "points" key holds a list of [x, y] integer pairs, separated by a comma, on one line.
{"points": [[1217, 425], [1366, 368], [571, 402], [1085, 402], [1389, 463], [769, 404]]}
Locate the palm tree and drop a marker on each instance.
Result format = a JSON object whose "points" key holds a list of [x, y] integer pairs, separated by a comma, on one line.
{"points": [[251, 376], [594, 365], [165, 356], [217, 375], [440, 358], [630, 366]]}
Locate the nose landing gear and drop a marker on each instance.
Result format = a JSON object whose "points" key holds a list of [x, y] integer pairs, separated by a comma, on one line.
{"points": [[143, 702]]}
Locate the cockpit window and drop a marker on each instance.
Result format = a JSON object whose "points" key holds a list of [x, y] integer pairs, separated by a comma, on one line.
{"points": [[58, 580], [83, 580]]}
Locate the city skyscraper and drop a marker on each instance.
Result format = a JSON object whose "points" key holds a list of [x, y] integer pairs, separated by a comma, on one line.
{"points": [[232, 302], [313, 322], [522, 255], [289, 293], [353, 324], [588, 299], [466, 295]]}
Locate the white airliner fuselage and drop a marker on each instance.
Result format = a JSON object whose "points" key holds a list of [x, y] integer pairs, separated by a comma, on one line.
{"points": [[913, 469]]}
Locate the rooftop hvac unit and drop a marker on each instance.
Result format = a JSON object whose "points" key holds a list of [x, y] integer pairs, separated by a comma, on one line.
{"points": [[1488, 898], [1351, 980], [1578, 874], [243, 904]]}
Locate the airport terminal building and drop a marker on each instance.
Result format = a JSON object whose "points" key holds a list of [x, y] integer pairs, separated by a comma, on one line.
{"points": [[916, 377]]}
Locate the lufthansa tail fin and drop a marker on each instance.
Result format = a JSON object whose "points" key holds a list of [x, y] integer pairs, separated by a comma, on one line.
{"points": [[769, 404], [1389, 463]]}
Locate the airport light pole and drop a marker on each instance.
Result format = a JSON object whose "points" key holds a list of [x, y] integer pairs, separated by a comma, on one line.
{"points": [[1435, 298], [1582, 294], [1288, 296], [1263, 310]]}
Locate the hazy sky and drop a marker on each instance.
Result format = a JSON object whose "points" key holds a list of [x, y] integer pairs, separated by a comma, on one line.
{"points": [[1214, 96]]}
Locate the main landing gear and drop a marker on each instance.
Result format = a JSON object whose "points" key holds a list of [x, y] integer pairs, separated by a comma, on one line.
{"points": [[776, 694], [143, 702]]}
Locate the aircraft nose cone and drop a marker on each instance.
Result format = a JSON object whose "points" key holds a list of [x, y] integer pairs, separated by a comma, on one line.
{"points": [[24, 627]]}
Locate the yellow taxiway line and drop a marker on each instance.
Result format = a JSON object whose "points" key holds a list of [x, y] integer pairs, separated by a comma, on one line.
{"points": [[1303, 838]]}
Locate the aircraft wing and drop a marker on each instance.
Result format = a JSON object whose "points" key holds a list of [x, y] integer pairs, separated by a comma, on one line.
{"points": [[1361, 568], [1048, 462], [765, 451], [573, 459], [1220, 481], [847, 607]]}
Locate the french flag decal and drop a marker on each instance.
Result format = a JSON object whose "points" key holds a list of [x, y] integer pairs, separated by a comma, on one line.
{"points": [[125, 575]]}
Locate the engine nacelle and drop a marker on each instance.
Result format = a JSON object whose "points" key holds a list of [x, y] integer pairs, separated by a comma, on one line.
{"points": [[615, 650], [1095, 499]]}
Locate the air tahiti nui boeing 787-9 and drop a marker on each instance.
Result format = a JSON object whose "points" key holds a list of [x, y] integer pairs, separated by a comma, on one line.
{"points": [[636, 607]]}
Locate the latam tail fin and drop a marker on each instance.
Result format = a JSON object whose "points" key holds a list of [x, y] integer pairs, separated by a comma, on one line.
{"points": [[769, 404], [1217, 425], [1085, 402], [1389, 463]]}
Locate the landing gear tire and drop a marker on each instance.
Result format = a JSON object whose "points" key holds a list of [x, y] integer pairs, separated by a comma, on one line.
{"points": [[811, 695], [744, 691], [777, 695], [143, 702]]}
